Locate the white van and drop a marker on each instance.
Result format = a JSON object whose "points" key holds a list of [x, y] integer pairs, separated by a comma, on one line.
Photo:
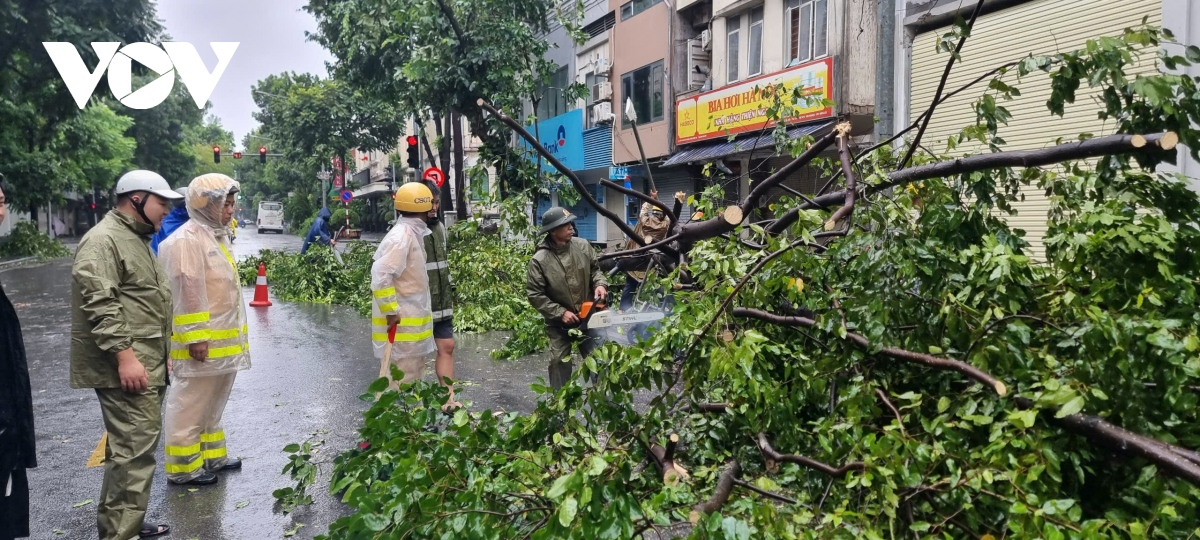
{"points": [[270, 217]]}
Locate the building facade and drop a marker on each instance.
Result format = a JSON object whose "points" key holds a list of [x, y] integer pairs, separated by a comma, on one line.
{"points": [[1008, 31]]}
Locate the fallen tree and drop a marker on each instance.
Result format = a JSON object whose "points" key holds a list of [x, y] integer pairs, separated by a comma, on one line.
{"points": [[881, 358]]}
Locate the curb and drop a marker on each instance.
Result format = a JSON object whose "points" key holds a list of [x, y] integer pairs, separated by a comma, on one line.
{"points": [[5, 265]]}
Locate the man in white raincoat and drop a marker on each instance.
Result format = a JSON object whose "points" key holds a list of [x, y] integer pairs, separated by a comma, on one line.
{"points": [[400, 287], [209, 343]]}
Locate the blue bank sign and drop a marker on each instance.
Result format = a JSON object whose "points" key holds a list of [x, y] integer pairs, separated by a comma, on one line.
{"points": [[562, 137]]}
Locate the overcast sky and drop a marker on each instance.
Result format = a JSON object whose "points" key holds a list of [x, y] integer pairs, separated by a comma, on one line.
{"points": [[271, 33]]}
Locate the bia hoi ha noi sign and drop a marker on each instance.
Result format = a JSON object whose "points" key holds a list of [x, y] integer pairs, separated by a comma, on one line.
{"points": [[743, 107]]}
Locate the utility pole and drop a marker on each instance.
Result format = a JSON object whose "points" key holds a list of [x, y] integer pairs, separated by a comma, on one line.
{"points": [[324, 176]]}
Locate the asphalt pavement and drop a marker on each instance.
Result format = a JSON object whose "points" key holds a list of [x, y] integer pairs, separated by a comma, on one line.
{"points": [[310, 364]]}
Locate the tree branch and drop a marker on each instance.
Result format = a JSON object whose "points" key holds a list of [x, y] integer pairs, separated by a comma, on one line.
{"points": [[765, 447], [1090, 148], [937, 96], [892, 352], [1165, 455], [537, 146], [763, 492], [721, 494], [888, 403], [458, 32]]}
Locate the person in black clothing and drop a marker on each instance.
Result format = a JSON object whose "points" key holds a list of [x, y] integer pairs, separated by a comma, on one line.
{"points": [[16, 421]]}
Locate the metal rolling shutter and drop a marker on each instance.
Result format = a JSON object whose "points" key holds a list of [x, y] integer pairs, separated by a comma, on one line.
{"points": [[1037, 27], [670, 182]]}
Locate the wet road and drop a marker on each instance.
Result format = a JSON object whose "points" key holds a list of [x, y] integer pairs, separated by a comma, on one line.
{"points": [[310, 363]]}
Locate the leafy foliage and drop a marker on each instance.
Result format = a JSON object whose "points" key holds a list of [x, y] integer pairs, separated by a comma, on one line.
{"points": [[27, 241], [1105, 326]]}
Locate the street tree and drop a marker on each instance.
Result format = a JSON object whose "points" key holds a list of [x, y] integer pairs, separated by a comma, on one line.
{"points": [[34, 102], [881, 359], [436, 58]]}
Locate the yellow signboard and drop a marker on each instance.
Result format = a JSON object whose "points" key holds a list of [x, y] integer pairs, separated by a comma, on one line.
{"points": [[743, 107]]}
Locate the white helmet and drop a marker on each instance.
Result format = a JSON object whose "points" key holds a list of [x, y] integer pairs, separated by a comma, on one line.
{"points": [[141, 180], [182, 191]]}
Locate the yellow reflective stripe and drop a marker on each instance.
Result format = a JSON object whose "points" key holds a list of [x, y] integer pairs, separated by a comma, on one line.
{"points": [[379, 320], [219, 352], [184, 469], [385, 292], [414, 337], [212, 437], [416, 321], [214, 454], [193, 336], [390, 306], [183, 451], [379, 337], [228, 257], [192, 318], [227, 334]]}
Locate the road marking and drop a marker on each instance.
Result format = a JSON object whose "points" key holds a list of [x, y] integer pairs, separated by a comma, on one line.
{"points": [[97, 458]]}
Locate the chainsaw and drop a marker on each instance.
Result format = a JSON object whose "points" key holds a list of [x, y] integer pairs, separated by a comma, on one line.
{"points": [[595, 314]]}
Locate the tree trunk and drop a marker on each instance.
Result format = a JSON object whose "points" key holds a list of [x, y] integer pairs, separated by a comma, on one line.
{"points": [[460, 182], [443, 130]]}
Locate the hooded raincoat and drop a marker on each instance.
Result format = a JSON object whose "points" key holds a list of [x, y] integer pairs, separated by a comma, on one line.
{"points": [[174, 220], [208, 308], [400, 286], [318, 233]]}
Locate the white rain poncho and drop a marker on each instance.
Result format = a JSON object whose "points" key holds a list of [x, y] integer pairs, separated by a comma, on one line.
{"points": [[207, 298], [400, 286]]}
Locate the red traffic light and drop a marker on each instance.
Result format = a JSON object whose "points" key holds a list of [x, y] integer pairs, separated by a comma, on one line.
{"points": [[262, 149], [216, 154], [412, 140], [216, 149], [237, 155]]}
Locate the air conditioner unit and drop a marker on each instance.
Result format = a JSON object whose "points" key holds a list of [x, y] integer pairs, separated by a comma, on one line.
{"points": [[706, 40], [602, 112], [602, 91], [603, 66]]}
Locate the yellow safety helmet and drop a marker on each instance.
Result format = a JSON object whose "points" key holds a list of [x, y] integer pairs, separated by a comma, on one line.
{"points": [[414, 197]]}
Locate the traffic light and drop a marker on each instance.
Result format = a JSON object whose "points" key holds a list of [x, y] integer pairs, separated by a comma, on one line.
{"points": [[216, 154], [262, 154], [237, 155], [414, 153]]}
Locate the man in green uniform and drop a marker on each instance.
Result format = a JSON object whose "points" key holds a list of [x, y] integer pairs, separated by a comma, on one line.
{"points": [[440, 294], [563, 274], [120, 340]]}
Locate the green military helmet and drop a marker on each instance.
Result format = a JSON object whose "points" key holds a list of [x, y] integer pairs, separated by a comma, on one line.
{"points": [[556, 217]]}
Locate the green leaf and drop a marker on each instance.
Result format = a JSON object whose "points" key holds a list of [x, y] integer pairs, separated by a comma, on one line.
{"points": [[84, 502], [241, 504], [559, 487], [379, 385], [1023, 419], [566, 512], [1071, 407], [943, 404], [461, 418], [376, 522], [292, 448]]}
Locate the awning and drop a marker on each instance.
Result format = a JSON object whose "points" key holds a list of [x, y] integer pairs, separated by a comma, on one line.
{"points": [[377, 189], [719, 149]]}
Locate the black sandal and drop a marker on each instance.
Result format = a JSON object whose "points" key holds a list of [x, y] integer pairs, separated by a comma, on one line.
{"points": [[153, 530]]}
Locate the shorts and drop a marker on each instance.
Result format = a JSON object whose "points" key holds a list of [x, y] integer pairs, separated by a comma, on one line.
{"points": [[443, 329]]}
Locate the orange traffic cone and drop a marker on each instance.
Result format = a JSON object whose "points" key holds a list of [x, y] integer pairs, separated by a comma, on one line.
{"points": [[260, 288]]}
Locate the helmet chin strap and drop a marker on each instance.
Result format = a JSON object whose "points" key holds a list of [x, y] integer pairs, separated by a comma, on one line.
{"points": [[141, 206]]}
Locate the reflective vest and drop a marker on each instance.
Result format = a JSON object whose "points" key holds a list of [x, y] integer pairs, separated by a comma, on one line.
{"points": [[438, 266]]}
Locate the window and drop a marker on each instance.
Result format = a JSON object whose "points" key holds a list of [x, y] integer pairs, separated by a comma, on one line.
{"points": [[645, 87], [732, 50], [807, 29], [554, 101], [633, 7], [754, 60], [589, 80]]}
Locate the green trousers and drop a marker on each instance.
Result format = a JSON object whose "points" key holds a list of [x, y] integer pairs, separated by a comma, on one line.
{"points": [[561, 364], [134, 425]]}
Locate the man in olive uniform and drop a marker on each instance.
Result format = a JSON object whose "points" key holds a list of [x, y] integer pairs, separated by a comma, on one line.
{"points": [[563, 274], [441, 294], [120, 340]]}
